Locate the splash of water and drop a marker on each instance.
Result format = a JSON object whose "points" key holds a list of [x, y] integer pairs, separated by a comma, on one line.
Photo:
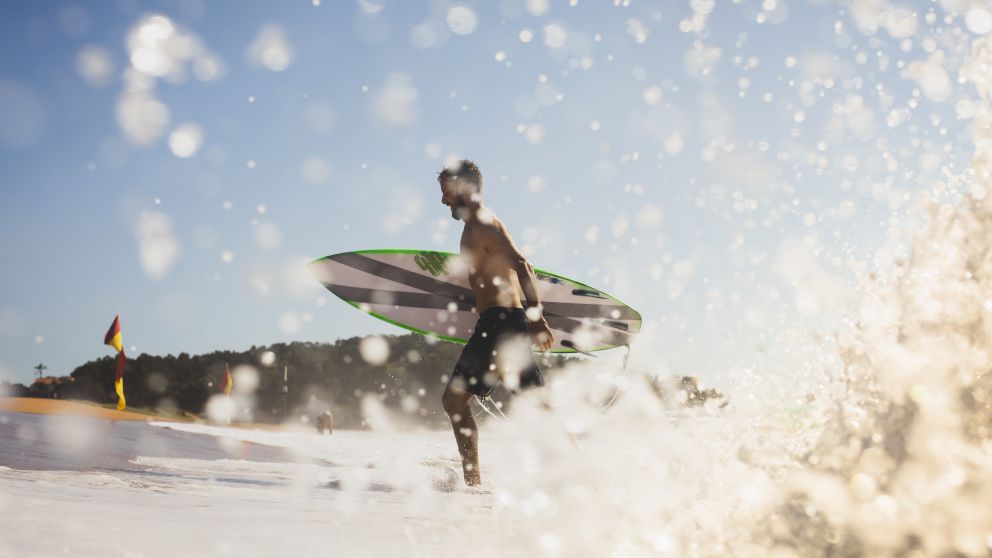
{"points": [[899, 463]]}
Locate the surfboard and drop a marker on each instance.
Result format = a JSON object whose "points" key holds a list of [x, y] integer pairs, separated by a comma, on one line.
{"points": [[427, 292]]}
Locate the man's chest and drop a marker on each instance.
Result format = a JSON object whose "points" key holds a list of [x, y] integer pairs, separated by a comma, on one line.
{"points": [[471, 247]]}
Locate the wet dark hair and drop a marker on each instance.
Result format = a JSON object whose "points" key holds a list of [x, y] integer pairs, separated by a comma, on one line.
{"points": [[462, 170]]}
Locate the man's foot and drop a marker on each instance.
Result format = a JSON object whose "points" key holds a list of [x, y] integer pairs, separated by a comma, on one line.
{"points": [[472, 475]]}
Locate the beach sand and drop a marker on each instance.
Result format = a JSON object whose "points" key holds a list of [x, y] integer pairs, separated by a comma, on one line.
{"points": [[79, 408], [39, 406]]}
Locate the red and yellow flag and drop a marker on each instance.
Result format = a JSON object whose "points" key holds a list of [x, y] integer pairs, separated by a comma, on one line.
{"points": [[227, 382], [113, 338]]}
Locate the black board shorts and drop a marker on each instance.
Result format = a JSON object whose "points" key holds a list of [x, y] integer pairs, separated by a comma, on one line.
{"points": [[499, 349]]}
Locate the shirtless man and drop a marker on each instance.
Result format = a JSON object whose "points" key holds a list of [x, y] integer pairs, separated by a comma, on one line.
{"points": [[500, 347]]}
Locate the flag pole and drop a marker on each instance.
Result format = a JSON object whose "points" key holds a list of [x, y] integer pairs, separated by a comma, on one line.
{"points": [[285, 391]]}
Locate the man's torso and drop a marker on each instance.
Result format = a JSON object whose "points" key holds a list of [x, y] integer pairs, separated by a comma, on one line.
{"points": [[491, 273]]}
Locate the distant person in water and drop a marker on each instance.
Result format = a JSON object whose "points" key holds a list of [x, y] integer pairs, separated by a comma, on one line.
{"points": [[509, 308], [325, 422]]}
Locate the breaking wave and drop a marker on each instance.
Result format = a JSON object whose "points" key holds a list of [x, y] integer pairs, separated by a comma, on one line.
{"points": [[890, 455]]}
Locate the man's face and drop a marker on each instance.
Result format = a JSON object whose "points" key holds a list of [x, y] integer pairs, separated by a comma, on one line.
{"points": [[455, 194]]}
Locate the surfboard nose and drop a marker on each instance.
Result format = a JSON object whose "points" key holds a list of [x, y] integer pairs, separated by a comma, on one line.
{"points": [[323, 270]]}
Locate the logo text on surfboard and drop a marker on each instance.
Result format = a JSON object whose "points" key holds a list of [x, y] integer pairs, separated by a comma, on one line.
{"points": [[432, 262]]}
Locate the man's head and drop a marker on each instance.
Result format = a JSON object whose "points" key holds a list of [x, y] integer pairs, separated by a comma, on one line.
{"points": [[461, 187]]}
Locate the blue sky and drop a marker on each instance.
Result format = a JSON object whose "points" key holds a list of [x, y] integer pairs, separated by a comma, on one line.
{"points": [[718, 167]]}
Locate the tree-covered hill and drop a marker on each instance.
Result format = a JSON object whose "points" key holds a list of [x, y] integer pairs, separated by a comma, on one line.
{"points": [[319, 376]]}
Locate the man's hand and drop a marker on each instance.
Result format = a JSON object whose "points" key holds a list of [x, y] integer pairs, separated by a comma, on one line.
{"points": [[541, 334]]}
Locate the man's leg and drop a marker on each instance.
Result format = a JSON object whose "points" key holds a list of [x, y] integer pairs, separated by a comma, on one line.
{"points": [[456, 404]]}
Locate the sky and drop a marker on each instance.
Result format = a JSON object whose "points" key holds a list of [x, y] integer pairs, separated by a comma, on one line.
{"points": [[725, 168]]}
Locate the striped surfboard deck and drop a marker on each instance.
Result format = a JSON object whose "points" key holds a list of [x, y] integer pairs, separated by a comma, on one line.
{"points": [[427, 292]]}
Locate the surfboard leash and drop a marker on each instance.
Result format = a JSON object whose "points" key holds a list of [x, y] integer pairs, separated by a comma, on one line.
{"points": [[624, 370], [484, 403]]}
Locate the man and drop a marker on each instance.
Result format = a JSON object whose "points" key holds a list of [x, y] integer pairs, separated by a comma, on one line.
{"points": [[500, 346]]}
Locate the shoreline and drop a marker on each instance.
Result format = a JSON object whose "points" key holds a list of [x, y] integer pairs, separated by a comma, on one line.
{"points": [[83, 408], [71, 407]]}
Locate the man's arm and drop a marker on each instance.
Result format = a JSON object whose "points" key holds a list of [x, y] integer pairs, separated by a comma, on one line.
{"points": [[528, 285], [528, 282], [525, 272]]}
